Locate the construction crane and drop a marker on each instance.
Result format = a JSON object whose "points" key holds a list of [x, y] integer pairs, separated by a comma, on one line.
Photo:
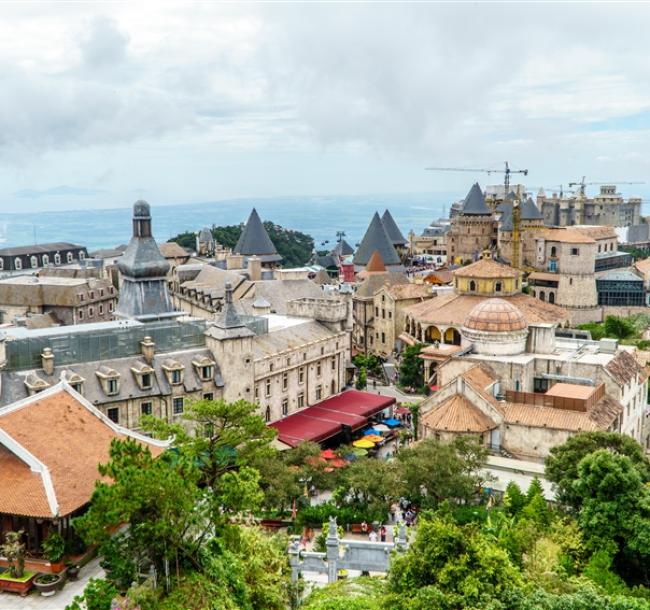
{"points": [[516, 212], [582, 184]]}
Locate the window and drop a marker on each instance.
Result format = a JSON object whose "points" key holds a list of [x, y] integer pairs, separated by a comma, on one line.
{"points": [[333, 363], [318, 370], [91, 312], [81, 314], [304, 356], [46, 260], [553, 251], [497, 287], [18, 263], [178, 405], [472, 285], [285, 406], [542, 296], [390, 315], [101, 292], [383, 313], [206, 373], [101, 310], [110, 306], [268, 388], [575, 251], [2, 264], [322, 351], [551, 297], [82, 255], [146, 381], [376, 312], [270, 366], [33, 261], [301, 400], [69, 257], [288, 361], [383, 298], [208, 396], [319, 392], [112, 386], [285, 380], [146, 408], [301, 374], [92, 294], [257, 393], [383, 337], [176, 376], [267, 414], [77, 386], [333, 387], [113, 414]]}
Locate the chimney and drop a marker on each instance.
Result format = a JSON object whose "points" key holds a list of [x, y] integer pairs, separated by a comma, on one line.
{"points": [[234, 261], [148, 349], [47, 361], [254, 268]]}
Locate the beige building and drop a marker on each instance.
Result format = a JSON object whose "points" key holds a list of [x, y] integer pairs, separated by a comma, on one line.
{"points": [[523, 390], [68, 300], [390, 303]]}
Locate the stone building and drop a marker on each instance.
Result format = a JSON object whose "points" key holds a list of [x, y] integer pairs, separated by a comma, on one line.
{"points": [[390, 302], [608, 208], [438, 322], [531, 221], [473, 229], [154, 359], [432, 241], [21, 258], [566, 260], [523, 390], [377, 239], [375, 277], [69, 300]]}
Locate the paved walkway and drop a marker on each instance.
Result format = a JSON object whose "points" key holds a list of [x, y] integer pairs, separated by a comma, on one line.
{"points": [[391, 390], [34, 601]]}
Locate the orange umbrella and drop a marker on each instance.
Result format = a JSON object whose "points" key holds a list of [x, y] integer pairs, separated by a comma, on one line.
{"points": [[328, 454], [375, 438]]}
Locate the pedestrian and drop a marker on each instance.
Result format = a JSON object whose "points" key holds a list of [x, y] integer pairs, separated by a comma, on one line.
{"points": [[382, 533], [364, 527], [372, 536]]}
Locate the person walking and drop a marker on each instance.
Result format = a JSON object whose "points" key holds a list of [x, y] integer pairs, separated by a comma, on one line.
{"points": [[372, 536], [382, 533]]}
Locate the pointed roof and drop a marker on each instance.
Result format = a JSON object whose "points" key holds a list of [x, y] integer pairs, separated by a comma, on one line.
{"points": [[342, 248], [474, 203], [322, 277], [229, 325], [255, 241], [529, 211], [376, 263], [376, 238], [458, 414], [392, 229]]}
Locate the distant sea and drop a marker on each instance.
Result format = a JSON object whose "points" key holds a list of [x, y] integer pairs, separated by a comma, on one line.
{"points": [[320, 217]]}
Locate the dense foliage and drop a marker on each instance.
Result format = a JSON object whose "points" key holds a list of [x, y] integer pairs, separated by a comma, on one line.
{"points": [[627, 330], [295, 247], [411, 370]]}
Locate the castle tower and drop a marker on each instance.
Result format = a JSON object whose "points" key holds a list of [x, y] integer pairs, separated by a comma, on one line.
{"points": [[143, 295]]}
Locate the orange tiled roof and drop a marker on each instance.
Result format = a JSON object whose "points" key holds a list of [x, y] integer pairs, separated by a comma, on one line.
{"points": [[495, 315], [66, 436], [570, 236], [409, 291], [457, 414], [597, 231], [486, 268], [643, 266], [452, 309], [376, 263]]}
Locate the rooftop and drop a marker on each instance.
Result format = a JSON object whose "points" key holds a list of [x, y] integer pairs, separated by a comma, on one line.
{"points": [[486, 268]]}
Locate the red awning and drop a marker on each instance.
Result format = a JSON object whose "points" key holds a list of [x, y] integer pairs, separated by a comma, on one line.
{"points": [[325, 419]]}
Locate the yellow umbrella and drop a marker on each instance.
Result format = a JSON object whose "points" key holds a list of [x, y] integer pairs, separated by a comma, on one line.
{"points": [[375, 438], [364, 443]]}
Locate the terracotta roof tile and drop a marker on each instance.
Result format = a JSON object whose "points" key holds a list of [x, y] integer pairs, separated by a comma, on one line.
{"points": [[458, 414], [409, 291], [643, 266], [376, 263], [495, 315], [68, 438], [566, 235], [486, 268], [597, 231], [624, 367]]}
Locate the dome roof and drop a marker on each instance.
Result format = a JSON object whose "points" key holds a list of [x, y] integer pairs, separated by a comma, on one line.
{"points": [[141, 209], [495, 315]]}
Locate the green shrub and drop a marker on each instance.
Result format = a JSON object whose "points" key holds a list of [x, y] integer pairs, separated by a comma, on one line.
{"points": [[54, 546]]}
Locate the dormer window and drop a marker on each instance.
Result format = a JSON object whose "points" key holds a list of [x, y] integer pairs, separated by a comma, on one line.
{"points": [[33, 261], [69, 257], [204, 368], [206, 373], [173, 371], [57, 259], [109, 379], [82, 255], [18, 263], [144, 375], [75, 380], [35, 384]]}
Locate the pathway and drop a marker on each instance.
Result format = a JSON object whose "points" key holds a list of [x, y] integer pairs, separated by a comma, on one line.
{"points": [[34, 601]]}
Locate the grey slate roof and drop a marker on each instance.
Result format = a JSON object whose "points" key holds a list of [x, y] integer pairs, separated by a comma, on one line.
{"points": [[13, 383], [254, 240], [342, 248], [39, 248], [229, 325], [278, 292], [376, 238], [529, 211], [271, 343], [392, 229], [374, 282], [474, 203]]}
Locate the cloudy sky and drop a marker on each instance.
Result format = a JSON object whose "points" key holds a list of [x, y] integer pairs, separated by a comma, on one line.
{"points": [[104, 103]]}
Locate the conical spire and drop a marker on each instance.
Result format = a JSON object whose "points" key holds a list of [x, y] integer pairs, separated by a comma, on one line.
{"points": [[375, 264], [474, 203], [255, 241], [229, 323], [393, 230], [529, 211], [376, 238]]}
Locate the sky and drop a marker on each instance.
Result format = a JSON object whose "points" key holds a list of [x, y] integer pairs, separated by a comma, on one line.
{"points": [[106, 103]]}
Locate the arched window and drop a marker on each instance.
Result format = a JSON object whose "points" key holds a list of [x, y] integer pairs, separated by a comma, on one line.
{"points": [[551, 297], [2, 264], [553, 251], [542, 296], [18, 263], [82, 255], [69, 257], [46, 260], [472, 285], [57, 259], [33, 261], [497, 287], [267, 414], [534, 293]]}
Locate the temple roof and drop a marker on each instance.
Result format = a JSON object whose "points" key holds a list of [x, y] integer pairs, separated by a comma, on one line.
{"points": [[254, 240], [376, 238], [392, 229]]}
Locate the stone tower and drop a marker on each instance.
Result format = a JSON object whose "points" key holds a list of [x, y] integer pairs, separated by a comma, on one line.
{"points": [[143, 295]]}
